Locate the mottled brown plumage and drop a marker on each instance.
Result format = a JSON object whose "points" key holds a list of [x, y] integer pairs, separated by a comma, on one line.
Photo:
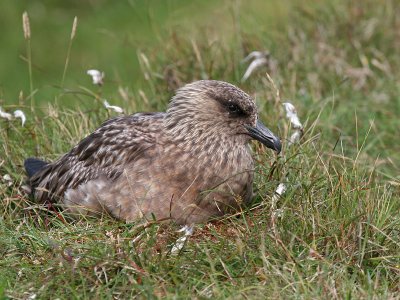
{"points": [[191, 163]]}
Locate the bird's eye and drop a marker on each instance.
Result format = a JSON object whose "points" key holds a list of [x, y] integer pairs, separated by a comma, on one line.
{"points": [[235, 110]]}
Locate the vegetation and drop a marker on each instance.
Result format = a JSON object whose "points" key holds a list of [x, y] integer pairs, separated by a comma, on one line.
{"points": [[334, 233]]}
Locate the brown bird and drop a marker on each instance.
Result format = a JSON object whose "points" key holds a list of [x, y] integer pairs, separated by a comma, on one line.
{"points": [[190, 163]]}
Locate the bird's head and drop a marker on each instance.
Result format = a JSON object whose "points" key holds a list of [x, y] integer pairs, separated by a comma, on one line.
{"points": [[217, 108]]}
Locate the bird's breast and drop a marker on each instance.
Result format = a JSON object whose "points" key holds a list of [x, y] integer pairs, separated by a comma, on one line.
{"points": [[171, 181]]}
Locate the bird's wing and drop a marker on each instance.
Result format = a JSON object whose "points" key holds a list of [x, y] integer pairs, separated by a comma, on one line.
{"points": [[105, 152]]}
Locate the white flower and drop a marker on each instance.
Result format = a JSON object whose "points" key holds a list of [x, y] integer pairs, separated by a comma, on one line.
{"points": [[255, 64], [32, 297], [258, 59], [280, 189], [97, 76], [113, 107], [5, 115], [291, 114], [8, 180], [17, 114], [20, 114], [256, 55], [187, 232]]}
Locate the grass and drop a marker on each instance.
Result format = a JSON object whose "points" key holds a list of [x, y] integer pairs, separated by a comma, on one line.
{"points": [[335, 233]]}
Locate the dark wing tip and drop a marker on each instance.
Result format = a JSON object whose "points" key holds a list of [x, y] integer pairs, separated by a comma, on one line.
{"points": [[34, 165]]}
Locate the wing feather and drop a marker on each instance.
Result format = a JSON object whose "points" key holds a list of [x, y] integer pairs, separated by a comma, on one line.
{"points": [[105, 152]]}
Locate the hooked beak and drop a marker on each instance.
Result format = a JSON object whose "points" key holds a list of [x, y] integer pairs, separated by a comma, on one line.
{"points": [[264, 135]]}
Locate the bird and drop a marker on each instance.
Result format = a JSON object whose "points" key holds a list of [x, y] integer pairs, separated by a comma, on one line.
{"points": [[190, 164]]}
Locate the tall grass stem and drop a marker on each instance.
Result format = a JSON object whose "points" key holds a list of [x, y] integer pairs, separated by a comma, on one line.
{"points": [[27, 35], [73, 32]]}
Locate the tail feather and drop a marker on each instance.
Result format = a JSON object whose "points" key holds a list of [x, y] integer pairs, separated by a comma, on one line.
{"points": [[34, 165]]}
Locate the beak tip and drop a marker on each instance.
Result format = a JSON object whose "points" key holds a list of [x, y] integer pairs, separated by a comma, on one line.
{"points": [[278, 146], [265, 136]]}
